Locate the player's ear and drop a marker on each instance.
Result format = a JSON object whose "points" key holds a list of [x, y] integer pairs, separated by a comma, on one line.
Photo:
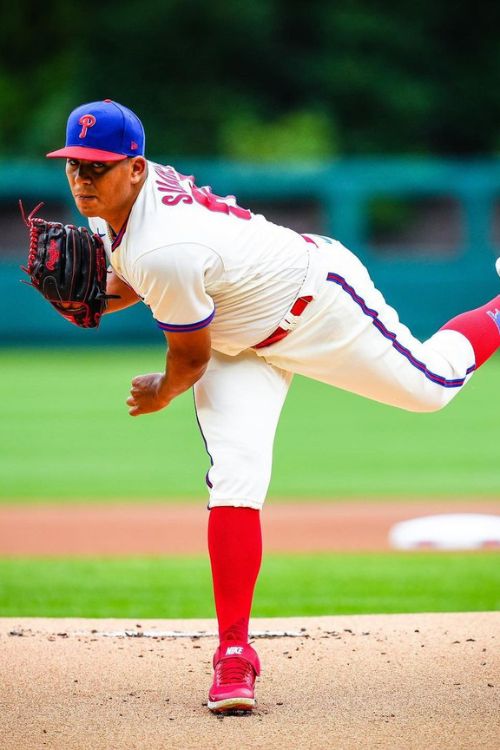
{"points": [[138, 167]]}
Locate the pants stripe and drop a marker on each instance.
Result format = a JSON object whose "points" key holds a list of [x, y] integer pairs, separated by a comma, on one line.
{"points": [[373, 314]]}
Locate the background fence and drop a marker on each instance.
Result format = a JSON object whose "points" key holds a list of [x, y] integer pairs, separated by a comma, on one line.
{"points": [[428, 230]]}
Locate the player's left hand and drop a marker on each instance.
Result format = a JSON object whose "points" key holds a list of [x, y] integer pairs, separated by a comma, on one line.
{"points": [[146, 394]]}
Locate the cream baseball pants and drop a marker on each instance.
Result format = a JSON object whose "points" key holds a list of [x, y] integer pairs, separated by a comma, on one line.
{"points": [[348, 337]]}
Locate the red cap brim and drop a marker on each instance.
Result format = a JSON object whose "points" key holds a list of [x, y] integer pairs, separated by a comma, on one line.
{"points": [[85, 154]]}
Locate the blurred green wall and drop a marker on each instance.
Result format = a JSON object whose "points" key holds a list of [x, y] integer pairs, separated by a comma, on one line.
{"points": [[428, 230]]}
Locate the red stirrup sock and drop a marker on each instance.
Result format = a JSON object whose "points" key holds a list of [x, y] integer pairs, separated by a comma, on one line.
{"points": [[235, 546], [481, 327]]}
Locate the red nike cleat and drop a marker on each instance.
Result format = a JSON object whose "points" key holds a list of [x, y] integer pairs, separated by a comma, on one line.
{"points": [[236, 666]]}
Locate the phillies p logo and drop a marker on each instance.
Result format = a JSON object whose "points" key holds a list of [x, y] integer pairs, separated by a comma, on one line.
{"points": [[86, 121]]}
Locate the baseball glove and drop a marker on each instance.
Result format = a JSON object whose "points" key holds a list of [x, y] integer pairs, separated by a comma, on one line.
{"points": [[67, 265]]}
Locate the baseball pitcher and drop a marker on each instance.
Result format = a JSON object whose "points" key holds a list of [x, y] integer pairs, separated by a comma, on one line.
{"points": [[243, 305]]}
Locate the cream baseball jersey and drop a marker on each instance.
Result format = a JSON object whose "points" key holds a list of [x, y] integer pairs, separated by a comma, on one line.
{"points": [[196, 258]]}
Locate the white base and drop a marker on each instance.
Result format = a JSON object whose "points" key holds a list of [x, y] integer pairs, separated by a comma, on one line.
{"points": [[447, 531]]}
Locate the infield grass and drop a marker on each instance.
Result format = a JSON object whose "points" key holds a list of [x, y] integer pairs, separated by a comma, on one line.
{"points": [[66, 436], [289, 585]]}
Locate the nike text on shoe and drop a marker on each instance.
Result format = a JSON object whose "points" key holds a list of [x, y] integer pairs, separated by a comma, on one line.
{"points": [[236, 665]]}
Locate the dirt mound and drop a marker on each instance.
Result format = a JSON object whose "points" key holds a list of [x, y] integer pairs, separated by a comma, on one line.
{"points": [[391, 682]]}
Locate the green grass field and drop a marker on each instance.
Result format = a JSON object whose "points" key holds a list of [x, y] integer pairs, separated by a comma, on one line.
{"points": [[289, 585], [66, 435]]}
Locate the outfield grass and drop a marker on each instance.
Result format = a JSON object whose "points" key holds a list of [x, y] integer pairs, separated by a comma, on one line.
{"points": [[66, 435], [289, 585]]}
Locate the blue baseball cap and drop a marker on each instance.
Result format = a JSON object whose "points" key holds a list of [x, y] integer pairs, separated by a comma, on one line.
{"points": [[102, 131]]}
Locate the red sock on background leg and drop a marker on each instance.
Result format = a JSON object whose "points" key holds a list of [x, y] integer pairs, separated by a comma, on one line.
{"points": [[235, 546], [481, 327]]}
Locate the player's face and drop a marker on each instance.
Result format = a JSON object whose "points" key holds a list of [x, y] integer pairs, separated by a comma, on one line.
{"points": [[105, 189]]}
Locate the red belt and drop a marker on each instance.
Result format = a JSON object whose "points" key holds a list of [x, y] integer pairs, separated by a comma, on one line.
{"points": [[288, 325]]}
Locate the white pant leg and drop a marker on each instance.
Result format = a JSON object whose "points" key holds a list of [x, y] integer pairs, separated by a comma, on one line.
{"points": [[238, 402], [351, 338]]}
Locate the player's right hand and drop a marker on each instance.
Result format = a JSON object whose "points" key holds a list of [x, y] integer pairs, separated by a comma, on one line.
{"points": [[146, 394]]}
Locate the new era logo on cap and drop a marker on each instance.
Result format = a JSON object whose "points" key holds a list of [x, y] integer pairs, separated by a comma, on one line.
{"points": [[102, 131]]}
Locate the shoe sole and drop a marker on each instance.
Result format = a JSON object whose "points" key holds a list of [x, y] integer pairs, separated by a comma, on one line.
{"points": [[232, 704]]}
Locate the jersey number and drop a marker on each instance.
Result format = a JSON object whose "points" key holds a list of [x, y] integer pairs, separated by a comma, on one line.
{"points": [[205, 197]]}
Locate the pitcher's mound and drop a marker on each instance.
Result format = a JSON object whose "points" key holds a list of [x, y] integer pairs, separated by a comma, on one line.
{"points": [[389, 682]]}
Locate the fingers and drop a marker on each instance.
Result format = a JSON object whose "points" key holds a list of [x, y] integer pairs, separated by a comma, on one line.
{"points": [[135, 396], [140, 381], [134, 409], [144, 398], [137, 408]]}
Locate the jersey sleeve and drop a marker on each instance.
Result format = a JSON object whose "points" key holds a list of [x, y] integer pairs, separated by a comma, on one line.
{"points": [[172, 282]]}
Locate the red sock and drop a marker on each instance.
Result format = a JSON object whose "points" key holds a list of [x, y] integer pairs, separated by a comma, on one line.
{"points": [[481, 327], [235, 546]]}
